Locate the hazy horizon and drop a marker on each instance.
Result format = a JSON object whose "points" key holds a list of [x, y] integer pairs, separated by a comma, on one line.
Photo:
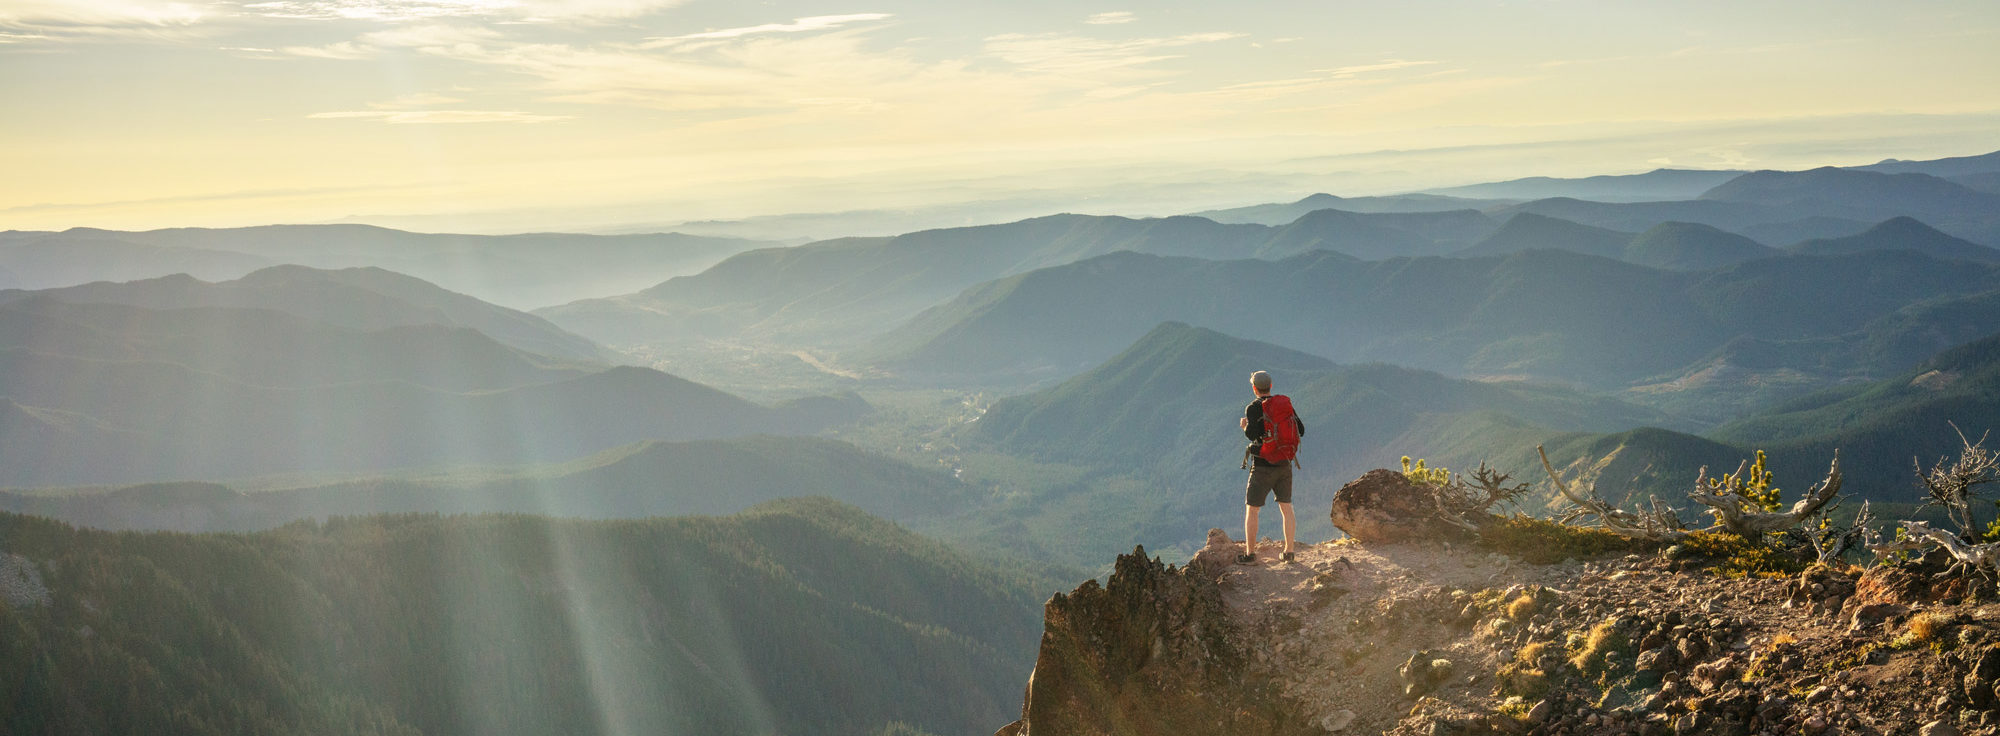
{"points": [[513, 115]]}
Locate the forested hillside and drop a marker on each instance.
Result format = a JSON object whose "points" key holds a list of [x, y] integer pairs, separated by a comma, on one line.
{"points": [[799, 617]]}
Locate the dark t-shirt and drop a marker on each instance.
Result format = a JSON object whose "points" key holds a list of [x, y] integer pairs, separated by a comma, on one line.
{"points": [[1255, 432]]}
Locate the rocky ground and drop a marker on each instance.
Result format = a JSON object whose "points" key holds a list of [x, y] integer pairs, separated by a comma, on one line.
{"points": [[1439, 639]]}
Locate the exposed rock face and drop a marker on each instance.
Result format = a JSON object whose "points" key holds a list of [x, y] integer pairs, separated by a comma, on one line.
{"points": [[1150, 652], [1384, 506], [1430, 640]]}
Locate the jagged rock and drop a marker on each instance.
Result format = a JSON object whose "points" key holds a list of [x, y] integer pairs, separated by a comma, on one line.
{"points": [[1873, 613], [1938, 728], [1218, 554], [1148, 652], [1384, 506]]}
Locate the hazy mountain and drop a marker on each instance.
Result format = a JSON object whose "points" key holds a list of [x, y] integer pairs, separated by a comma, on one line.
{"points": [[1376, 236], [275, 349], [1281, 213], [1528, 231], [169, 422], [1154, 431], [1653, 186], [1639, 216], [1687, 246], [1870, 195], [1902, 233], [38, 260], [799, 617], [1677, 246], [1988, 182], [1944, 167], [1889, 420], [1816, 227], [707, 477], [521, 271], [355, 298], [1545, 314], [847, 289], [1172, 396]]}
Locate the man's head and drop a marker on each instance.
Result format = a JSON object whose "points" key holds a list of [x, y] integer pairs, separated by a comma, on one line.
{"points": [[1260, 382]]}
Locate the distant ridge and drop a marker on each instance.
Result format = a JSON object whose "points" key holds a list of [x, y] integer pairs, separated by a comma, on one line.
{"points": [[1281, 213], [1689, 246], [1652, 186], [1902, 233], [355, 298], [1528, 231], [522, 271]]}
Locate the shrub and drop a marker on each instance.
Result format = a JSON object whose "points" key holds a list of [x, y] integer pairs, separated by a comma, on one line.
{"points": [[1417, 473], [1524, 675], [1737, 557], [1602, 644]]}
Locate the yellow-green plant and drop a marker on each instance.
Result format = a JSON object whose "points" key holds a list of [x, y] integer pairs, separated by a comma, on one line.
{"points": [[1418, 473]]}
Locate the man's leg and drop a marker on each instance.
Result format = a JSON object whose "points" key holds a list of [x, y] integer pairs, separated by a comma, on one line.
{"points": [[1291, 524], [1250, 530]]}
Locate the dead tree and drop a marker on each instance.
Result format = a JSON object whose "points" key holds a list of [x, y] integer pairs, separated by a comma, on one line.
{"points": [[1659, 523], [1737, 515], [1460, 503], [1981, 558], [1830, 542], [1954, 487]]}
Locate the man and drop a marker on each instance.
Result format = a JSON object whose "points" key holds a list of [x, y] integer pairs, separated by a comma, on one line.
{"points": [[1270, 476]]}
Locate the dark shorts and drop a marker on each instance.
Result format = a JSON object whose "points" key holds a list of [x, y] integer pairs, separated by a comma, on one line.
{"points": [[1267, 480]]}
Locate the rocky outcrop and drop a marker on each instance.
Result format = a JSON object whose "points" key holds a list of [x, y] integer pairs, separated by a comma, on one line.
{"points": [[1454, 640], [1150, 652], [1384, 506]]}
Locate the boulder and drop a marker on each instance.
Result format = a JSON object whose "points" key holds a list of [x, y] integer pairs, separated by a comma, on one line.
{"points": [[1384, 506]]}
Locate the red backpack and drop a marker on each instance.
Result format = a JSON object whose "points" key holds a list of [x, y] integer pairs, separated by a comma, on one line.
{"points": [[1281, 431]]}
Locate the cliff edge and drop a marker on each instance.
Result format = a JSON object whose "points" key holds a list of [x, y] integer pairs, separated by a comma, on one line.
{"points": [[1442, 639]]}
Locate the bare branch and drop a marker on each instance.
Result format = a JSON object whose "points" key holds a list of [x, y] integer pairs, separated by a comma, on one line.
{"points": [[1660, 523], [1955, 487], [1459, 503], [1980, 558]]}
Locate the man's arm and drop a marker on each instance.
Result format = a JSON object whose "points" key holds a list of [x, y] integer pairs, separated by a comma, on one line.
{"points": [[1253, 421]]}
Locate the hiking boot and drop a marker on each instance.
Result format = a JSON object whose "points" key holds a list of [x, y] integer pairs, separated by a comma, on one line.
{"points": [[1288, 557], [1246, 559]]}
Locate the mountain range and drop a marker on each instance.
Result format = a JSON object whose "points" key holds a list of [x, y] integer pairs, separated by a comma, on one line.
{"points": [[293, 369], [522, 271], [1658, 185], [1545, 314], [651, 478]]}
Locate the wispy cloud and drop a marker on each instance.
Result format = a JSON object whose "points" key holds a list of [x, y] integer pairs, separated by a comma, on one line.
{"points": [[411, 10], [1384, 66], [799, 25], [1069, 54], [1111, 18], [66, 20], [429, 36], [439, 116], [344, 51]]}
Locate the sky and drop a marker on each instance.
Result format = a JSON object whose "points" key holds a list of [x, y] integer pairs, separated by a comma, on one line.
{"points": [[511, 115]]}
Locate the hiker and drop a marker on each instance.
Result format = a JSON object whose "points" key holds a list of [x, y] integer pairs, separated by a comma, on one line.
{"points": [[1274, 451]]}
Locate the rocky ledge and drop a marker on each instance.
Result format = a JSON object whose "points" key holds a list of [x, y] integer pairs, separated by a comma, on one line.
{"points": [[1441, 639]]}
